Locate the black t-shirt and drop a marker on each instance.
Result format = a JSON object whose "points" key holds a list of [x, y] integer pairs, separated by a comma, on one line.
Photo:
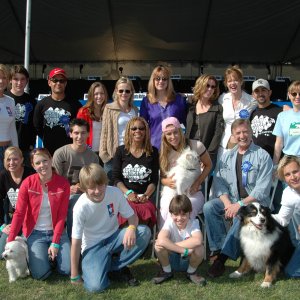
{"points": [[262, 124], [135, 173], [24, 108], [51, 120], [241, 189], [9, 192]]}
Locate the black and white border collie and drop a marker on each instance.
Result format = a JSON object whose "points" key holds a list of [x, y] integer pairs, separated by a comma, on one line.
{"points": [[266, 245]]}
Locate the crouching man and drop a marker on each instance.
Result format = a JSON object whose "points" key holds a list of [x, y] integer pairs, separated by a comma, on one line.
{"points": [[96, 232]]}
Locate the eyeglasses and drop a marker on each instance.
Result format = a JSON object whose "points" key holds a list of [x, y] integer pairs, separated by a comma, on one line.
{"points": [[211, 86], [161, 78], [295, 94], [124, 91], [55, 80], [137, 128]]}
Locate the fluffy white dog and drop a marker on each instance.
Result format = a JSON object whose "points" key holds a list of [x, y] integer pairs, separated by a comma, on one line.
{"points": [[185, 173], [16, 256]]}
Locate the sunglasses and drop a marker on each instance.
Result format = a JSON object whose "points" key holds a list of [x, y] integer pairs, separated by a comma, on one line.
{"points": [[124, 91], [55, 80], [211, 86], [161, 78], [295, 94], [137, 128]]}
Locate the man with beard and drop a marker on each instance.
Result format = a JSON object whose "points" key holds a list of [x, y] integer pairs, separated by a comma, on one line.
{"points": [[264, 117]]}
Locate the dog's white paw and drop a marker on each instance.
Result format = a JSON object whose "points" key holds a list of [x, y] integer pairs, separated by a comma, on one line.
{"points": [[236, 274], [12, 279], [266, 284]]}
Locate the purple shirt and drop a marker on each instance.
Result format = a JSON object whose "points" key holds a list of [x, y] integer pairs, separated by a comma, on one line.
{"points": [[154, 114]]}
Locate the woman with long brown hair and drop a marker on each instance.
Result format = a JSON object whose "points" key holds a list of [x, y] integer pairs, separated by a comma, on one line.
{"points": [[135, 170]]}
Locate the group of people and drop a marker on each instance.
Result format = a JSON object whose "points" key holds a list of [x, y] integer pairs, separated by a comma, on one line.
{"points": [[88, 196]]}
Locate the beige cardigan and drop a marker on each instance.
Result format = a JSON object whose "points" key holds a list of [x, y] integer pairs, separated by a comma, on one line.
{"points": [[109, 133]]}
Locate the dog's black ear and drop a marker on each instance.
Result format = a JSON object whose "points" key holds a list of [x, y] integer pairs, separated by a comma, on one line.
{"points": [[266, 209], [242, 212]]}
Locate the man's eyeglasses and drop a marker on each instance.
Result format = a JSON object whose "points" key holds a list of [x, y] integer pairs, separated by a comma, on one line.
{"points": [[161, 78], [55, 80], [137, 128], [124, 91], [295, 94]]}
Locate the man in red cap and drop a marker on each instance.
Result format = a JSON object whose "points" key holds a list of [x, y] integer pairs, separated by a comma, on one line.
{"points": [[52, 114]]}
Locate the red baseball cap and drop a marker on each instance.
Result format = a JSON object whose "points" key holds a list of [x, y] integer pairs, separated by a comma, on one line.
{"points": [[57, 71]]}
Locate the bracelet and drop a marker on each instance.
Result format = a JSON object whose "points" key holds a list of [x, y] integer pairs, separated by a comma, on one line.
{"points": [[185, 253], [2, 227], [133, 227], [241, 203], [127, 193], [55, 245], [76, 278]]}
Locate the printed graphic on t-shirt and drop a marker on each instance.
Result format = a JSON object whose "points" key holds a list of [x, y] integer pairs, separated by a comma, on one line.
{"points": [[111, 210], [294, 129], [22, 112], [13, 196], [262, 125], [9, 111], [73, 175], [137, 173], [53, 117]]}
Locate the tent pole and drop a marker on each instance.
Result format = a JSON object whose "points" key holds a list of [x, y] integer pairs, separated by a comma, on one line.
{"points": [[27, 38]]}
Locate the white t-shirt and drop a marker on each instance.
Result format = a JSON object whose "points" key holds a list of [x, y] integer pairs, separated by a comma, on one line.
{"points": [[177, 235], [93, 222], [290, 203], [96, 135], [123, 119], [44, 221]]}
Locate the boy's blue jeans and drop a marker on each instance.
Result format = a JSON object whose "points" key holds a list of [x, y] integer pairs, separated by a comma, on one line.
{"points": [[97, 261]]}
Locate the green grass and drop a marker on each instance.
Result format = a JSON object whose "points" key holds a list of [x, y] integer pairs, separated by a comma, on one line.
{"points": [[58, 287]]}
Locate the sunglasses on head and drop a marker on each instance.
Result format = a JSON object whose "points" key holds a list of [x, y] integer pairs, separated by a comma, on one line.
{"points": [[211, 86], [55, 80], [161, 78], [137, 128], [124, 91], [295, 94]]}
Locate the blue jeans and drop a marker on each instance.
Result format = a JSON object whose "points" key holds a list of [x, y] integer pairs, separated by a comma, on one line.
{"points": [[178, 264], [293, 267], [218, 237], [97, 261], [108, 170], [3, 238], [72, 201], [38, 245]]}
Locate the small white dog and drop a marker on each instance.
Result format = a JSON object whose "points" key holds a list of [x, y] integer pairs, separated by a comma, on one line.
{"points": [[16, 256], [185, 173]]}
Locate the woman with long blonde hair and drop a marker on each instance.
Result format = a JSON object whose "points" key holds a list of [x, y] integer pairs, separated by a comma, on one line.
{"points": [[92, 112], [116, 115], [161, 102]]}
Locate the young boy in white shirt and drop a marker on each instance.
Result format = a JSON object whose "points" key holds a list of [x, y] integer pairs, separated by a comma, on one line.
{"points": [[179, 244], [96, 231]]}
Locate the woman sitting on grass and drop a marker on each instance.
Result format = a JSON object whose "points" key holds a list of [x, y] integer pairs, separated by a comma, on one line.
{"points": [[42, 210], [289, 171]]}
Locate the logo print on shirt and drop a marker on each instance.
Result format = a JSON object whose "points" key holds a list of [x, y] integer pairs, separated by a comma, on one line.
{"points": [[110, 208], [53, 117], [8, 109], [22, 112], [262, 125], [13, 197], [137, 173]]}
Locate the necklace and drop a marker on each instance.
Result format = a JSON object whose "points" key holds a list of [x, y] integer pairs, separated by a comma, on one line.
{"points": [[137, 152]]}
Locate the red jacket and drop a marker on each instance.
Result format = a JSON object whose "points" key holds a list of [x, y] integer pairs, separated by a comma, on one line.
{"points": [[83, 113], [29, 203]]}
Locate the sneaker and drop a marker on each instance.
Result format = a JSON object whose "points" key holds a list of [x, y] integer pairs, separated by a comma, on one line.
{"points": [[128, 277], [193, 277], [162, 276], [217, 269]]}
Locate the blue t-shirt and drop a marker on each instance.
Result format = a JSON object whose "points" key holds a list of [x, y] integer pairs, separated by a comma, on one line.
{"points": [[288, 128]]}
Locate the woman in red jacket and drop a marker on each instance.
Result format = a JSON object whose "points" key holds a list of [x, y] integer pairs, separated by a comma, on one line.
{"points": [[92, 112], [42, 209]]}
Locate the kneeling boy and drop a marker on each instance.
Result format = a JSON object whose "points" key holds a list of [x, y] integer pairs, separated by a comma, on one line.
{"points": [[179, 244], [95, 230]]}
